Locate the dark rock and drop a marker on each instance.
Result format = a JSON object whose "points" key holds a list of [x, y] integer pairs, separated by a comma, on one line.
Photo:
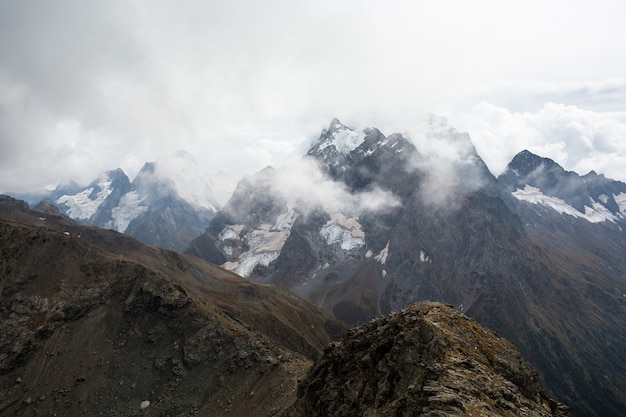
{"points": [[428, 360]]}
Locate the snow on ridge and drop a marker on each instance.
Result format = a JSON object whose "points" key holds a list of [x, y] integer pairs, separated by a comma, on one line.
{"points": [[344, 139], [80, 206], [595, 214], [345, 231]]}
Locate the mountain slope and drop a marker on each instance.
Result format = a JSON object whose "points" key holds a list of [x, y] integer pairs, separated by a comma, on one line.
{"points": [[426, 360], [94, 322], [168, 203], [446, 229], [540, 180]]}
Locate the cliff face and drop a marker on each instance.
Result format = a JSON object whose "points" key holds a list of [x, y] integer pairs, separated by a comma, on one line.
{"points": [[428, 360]]}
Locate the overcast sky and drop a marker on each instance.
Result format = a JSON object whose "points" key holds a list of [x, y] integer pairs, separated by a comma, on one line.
{"points": [[87, 86]]}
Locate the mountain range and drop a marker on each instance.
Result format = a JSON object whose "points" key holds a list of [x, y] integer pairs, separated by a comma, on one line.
{"points": [[168, 203], [536, 254], [95, 323], [366, 224]]}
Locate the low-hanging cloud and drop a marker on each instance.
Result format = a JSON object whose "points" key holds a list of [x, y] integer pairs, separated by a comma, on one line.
{"points": [[449, 161], [306, 184]]}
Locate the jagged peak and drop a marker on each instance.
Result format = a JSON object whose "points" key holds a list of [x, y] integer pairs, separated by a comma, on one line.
{"points": [[526, 162], [336, 124], [340, 137]]}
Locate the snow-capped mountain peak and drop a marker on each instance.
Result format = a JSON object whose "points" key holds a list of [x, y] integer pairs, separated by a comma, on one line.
{"points": [[542, 181], [84, 203], [341, 137]]}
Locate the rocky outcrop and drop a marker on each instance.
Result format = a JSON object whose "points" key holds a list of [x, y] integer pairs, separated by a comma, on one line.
{"points": [[428, 360]]}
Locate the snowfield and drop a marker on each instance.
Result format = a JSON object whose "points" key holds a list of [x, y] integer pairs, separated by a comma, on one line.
{"points": [[597, 213]]}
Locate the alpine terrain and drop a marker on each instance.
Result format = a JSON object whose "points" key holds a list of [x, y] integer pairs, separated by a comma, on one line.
{"points": [[536, 254], [168, 203], [96, 323]]}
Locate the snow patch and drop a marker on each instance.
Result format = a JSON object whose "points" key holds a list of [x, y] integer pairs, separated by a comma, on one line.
{"points": [[250, 260], [128, 209], [344, 140], [81, 206], [231, 231], [424, 257], [285, 221], [620, 199], [382, 256], [345, 231], [595, 214], [265, 243], [369, 253], [604, 198]]}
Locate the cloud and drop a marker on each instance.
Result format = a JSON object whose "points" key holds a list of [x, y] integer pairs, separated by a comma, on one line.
{"points": [[448, 160], [579, 140], [305, 183], [241, 84], [603, 96]]}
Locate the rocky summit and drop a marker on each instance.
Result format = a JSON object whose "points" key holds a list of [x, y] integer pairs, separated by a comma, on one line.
{"points": [[428, 360]]}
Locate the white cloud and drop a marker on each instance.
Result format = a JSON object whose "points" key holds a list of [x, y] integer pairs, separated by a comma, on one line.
{"points": [[305, 183], [449, 161], [579, 140], [242, 84]]}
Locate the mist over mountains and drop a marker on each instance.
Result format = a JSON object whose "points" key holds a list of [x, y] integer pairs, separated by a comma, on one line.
{"points": [[168, 203], [365, 224], [536, 253]]}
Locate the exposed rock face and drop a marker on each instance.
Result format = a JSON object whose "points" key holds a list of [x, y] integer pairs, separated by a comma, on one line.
{"points": [[536, 254], [428, 360]]}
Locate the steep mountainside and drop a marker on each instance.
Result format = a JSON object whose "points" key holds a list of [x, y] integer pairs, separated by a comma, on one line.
{"points": [[428, 360], [444, 228], [96, 323], [542, 181]]}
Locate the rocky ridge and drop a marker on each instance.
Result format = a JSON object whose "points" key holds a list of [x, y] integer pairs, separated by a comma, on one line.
{"points": [[427, 360], [536, 254]]}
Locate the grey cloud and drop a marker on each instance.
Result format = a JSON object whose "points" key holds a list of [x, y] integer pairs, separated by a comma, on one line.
{"points": [[242, 84], [303, 182], [449, 161]]}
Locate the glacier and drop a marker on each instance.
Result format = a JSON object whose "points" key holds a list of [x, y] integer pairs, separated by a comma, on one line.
{"points": [[128, 209], [81, 206], [343, 230], [597, 213]]}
